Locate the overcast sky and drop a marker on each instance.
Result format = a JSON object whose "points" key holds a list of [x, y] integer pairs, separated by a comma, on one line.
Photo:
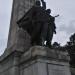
{"points": [[65, 23]]}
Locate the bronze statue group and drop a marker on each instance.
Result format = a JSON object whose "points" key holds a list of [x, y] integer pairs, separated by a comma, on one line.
{"points": [[44, 25], [40, 24]]}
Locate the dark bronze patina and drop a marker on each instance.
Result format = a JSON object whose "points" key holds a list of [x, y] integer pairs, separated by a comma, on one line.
{"points": [[39, 24]]}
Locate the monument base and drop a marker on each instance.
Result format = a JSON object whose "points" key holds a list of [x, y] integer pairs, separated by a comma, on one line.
{"points": [[37, 60]]}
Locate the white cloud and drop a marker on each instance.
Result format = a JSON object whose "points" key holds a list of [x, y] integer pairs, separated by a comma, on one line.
{"points": [[2, 45], [5, 12]]}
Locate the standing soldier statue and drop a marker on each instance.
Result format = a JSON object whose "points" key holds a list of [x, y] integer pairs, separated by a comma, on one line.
{"points": [[43, 4], [49, 28]]}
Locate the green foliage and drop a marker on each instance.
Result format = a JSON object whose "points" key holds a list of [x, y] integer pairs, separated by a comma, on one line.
{"points": [[72, 40], [71, 50]]}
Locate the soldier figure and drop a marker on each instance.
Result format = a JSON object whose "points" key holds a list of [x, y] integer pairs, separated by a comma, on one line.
{"points": [[43, 25], [51, 28], [37, 24]]}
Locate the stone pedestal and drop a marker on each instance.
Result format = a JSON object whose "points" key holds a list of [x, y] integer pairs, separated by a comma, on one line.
{"points": [[35, 61]]}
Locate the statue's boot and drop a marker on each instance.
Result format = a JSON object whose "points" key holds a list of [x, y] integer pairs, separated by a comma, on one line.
{"points": [[48, 44]]}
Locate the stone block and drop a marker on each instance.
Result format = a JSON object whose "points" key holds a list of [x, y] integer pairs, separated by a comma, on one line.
{"points": [[37, 60]]}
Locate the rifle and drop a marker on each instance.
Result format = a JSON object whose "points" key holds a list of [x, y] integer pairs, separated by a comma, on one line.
{"points": [[57, 15]]}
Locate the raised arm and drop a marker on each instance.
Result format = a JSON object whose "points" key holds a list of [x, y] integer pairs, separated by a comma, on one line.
{"points": [[57, 15], [43, 4]]}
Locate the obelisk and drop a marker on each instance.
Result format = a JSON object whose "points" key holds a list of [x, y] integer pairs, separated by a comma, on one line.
{"points": [[17, 37]]}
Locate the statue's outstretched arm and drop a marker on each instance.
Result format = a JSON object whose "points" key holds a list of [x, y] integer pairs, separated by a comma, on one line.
{"points": [[57, 15], [43, 4]]}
